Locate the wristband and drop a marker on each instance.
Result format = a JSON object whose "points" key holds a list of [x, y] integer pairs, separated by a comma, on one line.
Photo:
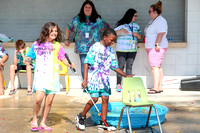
{"points": [[66, 39]]}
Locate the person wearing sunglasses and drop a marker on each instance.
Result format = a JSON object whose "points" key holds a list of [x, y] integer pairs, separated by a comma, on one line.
{"points": [[156, 44], [128, 32]]}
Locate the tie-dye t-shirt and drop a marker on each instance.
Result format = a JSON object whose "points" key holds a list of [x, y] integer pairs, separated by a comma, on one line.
{"points": [[128, 43], [2, 52], [87, 33], [100, 59], [47, 56], [20, 58]]}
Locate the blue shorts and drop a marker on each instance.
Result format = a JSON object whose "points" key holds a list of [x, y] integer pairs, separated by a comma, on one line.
{"points": [[99, 94], [46, 91]]}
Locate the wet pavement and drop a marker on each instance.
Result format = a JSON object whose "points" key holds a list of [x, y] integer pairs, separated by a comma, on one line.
{"points": [[16, 112]]}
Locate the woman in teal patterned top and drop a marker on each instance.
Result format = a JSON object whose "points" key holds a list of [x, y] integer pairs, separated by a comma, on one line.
{"points": [[86, 26]]}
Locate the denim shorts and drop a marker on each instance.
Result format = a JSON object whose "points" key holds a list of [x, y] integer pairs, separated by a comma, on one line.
{"points": [[46, 91], [99, 94]]}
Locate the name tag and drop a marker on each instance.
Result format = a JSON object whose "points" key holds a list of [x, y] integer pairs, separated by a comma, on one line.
{"points": [[86, 35]]}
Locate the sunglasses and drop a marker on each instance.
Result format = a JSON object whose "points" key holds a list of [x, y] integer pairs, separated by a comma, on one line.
{"points": [[150, 11]]}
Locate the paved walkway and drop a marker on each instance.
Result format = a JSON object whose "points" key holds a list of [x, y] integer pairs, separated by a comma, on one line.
{"points": [[16, 112]]}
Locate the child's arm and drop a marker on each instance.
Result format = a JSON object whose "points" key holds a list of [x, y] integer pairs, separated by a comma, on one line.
{"points": [[15, 58], [23, 56], [119, 71], [67, 63], [4, 59], [84, 83]]}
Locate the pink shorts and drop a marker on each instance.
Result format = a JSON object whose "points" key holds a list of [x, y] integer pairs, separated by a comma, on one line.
{"points": [[156, 57]]}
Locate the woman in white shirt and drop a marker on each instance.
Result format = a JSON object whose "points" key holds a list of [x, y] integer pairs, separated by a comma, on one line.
{"points": [[156, 44]]}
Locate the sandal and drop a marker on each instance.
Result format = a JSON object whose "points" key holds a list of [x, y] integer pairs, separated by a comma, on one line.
{"points": [[153, 91], [45, 128], [29, 92], [34, 127], [12, 92]]}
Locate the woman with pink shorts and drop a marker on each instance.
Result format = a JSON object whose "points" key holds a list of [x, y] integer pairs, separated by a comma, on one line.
{"points": [[156, 44]]}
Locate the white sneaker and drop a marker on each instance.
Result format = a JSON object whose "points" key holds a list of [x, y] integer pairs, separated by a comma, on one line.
{"points": [[80, 121], [102, 125]]}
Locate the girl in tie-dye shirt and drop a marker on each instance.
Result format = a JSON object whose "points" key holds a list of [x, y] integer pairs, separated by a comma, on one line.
{"points": [[86, 26], [47, 52]]}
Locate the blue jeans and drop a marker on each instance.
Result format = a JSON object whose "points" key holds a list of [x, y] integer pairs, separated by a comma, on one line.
{"points": [[82, 59]]}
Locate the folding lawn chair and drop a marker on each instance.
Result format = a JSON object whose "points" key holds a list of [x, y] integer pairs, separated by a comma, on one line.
{"points": [[133, 89]]}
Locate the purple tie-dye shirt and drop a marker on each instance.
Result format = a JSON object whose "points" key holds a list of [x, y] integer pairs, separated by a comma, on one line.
{"points": [[100, 59]]}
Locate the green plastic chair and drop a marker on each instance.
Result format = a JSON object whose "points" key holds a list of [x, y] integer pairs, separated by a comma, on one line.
{"points": [[134, 95], [21, 71]]}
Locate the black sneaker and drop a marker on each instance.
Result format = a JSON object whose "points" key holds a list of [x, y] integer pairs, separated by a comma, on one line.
{"points": [[80, 121], [102, 125]]}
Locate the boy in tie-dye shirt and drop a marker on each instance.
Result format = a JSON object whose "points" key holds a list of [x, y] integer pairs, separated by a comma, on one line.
{"points": [[99, 60]]}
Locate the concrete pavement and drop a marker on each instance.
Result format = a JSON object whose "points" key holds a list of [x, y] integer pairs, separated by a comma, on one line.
{"points": [[16, 112]]}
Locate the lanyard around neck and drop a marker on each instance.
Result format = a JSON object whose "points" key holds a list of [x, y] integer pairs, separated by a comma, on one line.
{"points": [[131, 28]]}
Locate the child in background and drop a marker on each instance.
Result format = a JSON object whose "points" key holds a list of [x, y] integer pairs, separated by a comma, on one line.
{"points": [[99, 60], [128, 32], [20, 64], [3, 59], [47, 51]]}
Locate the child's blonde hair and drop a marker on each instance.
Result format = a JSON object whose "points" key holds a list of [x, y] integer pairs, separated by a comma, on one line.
{"points": [[20, 44]]}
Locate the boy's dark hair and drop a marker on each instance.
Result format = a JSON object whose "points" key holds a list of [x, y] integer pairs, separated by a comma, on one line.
{"points": [[46, 30], [109, 31], [94, 14], [20, 44], [127, 18]]}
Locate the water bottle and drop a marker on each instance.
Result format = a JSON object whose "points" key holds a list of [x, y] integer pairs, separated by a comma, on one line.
{"points": [[170, 39]]}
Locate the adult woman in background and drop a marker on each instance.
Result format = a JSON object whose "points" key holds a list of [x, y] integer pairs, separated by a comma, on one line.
{"points": [[156, 44], [128, 32], [86, 26]]}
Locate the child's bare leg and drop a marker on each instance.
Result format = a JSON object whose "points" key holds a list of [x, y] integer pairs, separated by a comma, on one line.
{"points": [[37, 104], [89, 105], [12, 76], [104, 106], [28, 72], [1, 83], [47, 106]]}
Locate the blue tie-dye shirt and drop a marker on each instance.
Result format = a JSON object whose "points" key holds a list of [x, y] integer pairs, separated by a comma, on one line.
{"points": [[87, 33], [20, 58], [2, 52], [100, 59]]}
